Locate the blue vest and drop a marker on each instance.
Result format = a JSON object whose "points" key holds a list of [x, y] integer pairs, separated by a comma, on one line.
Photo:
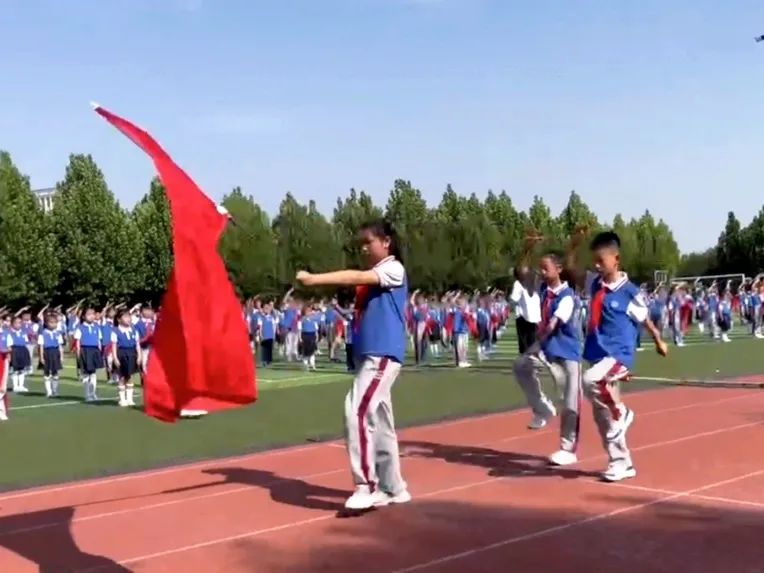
{"points": [[51, 339], [106, 330], [126, 339], [381, 330], [90, 335], [19, 338], [309, 325], [564, 342], [267, 329], [483, 318], [289, 320], [616, 335], [713, 303], [461, 326]]}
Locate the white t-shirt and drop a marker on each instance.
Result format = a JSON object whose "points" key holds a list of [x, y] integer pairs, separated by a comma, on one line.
{"points": [[527, 305]]}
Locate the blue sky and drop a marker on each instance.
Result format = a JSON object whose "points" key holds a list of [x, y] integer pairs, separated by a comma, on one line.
{"points": [[635, 104]]}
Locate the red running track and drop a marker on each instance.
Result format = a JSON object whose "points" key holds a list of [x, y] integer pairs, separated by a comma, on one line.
{"points": [[484, 501]]}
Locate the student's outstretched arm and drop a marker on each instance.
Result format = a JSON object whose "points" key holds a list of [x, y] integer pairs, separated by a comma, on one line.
{"points": [[390, 274]]}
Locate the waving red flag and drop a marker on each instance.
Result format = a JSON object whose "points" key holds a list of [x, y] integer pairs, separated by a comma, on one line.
{"points": [[200, 355]]}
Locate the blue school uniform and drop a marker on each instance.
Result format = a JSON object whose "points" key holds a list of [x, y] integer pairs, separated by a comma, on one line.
{"points": [[381, 323], [309, 326], [90, 358], [615, 314], [563, 343], [51, 342], [126, 340], [144, 328], [21, 360]]}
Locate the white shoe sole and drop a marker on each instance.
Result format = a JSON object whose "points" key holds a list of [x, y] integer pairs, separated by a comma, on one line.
{"points": [[403, 497], [626, 474], [569, 461]]}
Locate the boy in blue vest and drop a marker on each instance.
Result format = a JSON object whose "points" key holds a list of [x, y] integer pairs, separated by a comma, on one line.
{"points": [[20, 357], [88, 341], [616, 310], [558, 350]]}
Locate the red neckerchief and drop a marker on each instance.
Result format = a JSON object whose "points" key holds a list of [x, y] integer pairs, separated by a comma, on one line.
{"points": [[547, 307], [361, 300], [595, 310]]}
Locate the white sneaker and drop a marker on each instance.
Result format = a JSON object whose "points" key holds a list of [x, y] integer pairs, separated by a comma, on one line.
{"points": [[618, 428], [464, 365], [541, 420], [725, 338], [563, 458], [361, 499], [619, 471], [123, 404], [3, 417], [382, 498], [192, 413]]}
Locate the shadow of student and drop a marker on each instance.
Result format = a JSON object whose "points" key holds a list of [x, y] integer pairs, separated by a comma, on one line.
{"points": [[45, 538], [286, 490], [498, 463]]}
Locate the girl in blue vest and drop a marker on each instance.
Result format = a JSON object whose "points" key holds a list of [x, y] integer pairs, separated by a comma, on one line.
{"points": [[107, 327], [51, 349], [88, 342], [308, 327], [557, 350], [126, 354], [20, 356], [380, 346], [616, 310]]}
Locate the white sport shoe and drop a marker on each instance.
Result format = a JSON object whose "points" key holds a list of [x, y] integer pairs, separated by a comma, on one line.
{"points": [[361, 499], [3, 417], [382, 498], [619, 471], [541, 420], [618, 428], [563, 458], [123, 404]]}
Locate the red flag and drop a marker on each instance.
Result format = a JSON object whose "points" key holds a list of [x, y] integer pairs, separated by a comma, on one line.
{"points": [[200, 355], [4, 367]]}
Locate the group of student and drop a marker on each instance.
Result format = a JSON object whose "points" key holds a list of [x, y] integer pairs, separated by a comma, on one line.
{"points": [[713, 308], [114, 340]]}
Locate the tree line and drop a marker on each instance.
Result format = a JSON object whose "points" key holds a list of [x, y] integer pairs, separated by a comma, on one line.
{"points": [[91, 247]]}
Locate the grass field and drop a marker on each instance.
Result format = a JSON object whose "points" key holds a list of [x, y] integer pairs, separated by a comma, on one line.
{"points": [[59, 440]]}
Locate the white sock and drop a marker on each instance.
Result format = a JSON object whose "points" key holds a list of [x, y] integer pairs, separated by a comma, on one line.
{"points": [[312, 361], [48, 386], [22, 378], [15, 381], [54, 385], [93, 384], [129, 393], [122, 394], [86, 386]]}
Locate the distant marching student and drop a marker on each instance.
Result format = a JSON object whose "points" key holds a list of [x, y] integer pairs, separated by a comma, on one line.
{"points": [[5, 364], [617, 309], [289, 328], [145, 327], [126, 355], [267, 323], [675, 311], [308, 327], [483, 320], [51, 353], [20, 357], [435, 327], [558, 351], [724, 316], [524, 297], [712, 312], [88, 344], [348, 327], [420, 316], [380, 345], [31, 329], [107, 328], [461, 327]]}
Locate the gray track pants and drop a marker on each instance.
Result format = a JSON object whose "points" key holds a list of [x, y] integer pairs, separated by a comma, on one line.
{"points": [[370, 427], [567, 378]]}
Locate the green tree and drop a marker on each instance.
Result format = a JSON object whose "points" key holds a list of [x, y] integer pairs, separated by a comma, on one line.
{"points": [[508, 222], [629, 246], [730, 249], [407, 210], [349, 214], [29, 267], [575, 215], [540, 218], [151, 217], [249, 246], [98, 244]]}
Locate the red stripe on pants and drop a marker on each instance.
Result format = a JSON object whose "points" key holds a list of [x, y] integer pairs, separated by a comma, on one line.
{"points": [[607, 397], [363, 409]]}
